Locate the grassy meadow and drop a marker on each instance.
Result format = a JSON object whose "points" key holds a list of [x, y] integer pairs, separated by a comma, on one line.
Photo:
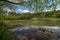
{"points": [[34, 22]]}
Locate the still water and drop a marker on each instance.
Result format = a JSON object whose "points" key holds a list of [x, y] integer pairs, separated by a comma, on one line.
{"points": [[24, 30]]}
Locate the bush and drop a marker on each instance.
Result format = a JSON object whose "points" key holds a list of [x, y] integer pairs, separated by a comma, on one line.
{"points": [[5, 34]]}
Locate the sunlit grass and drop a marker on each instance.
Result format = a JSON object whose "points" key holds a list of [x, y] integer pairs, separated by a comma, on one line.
{"points": [[37, 22], [51, 19]]}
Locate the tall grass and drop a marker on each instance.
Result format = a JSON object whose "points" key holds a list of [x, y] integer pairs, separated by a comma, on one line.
{"points": [[5, 34]]}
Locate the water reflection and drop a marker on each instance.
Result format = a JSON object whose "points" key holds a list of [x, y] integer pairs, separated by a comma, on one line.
{"points": [[24, 30]]}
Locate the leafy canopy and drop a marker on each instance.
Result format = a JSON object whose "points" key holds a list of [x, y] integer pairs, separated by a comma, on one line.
{"points": [[35, 5]]}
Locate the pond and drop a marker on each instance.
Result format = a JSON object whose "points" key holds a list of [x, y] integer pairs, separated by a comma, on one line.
{"points": [[24, 30]]}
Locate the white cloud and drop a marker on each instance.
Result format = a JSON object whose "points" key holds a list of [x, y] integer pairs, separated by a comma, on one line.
{"points": [[8, 10], [51, 10], [23, 11], [57, 9], [46, 10], [19, 10]]}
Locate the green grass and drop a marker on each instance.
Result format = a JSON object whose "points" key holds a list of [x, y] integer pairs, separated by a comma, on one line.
{"points": [[35, 22], [52, 19]]}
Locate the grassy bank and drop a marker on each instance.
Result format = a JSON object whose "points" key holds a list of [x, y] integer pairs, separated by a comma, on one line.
{"points": [[34, 21]]}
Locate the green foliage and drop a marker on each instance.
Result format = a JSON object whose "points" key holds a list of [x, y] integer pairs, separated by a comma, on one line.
{"points": [[35, 5], [40, 5], [28, 16], [15, 16], [5, 34]]}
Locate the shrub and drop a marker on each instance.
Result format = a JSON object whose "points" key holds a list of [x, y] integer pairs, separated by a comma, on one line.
{"points": [[5, 34]]}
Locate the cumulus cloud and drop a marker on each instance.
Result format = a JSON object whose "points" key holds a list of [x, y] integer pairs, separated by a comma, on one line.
{"points": [[19, 10], [58, 9], [23, 11]]}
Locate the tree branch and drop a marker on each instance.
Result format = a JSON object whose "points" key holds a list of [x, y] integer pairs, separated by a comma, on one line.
{"points": [[10, 2]]}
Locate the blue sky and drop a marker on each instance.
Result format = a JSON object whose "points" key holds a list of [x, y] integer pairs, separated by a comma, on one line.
{"points": [[58, 6], [26, 9], [21, 8]]}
